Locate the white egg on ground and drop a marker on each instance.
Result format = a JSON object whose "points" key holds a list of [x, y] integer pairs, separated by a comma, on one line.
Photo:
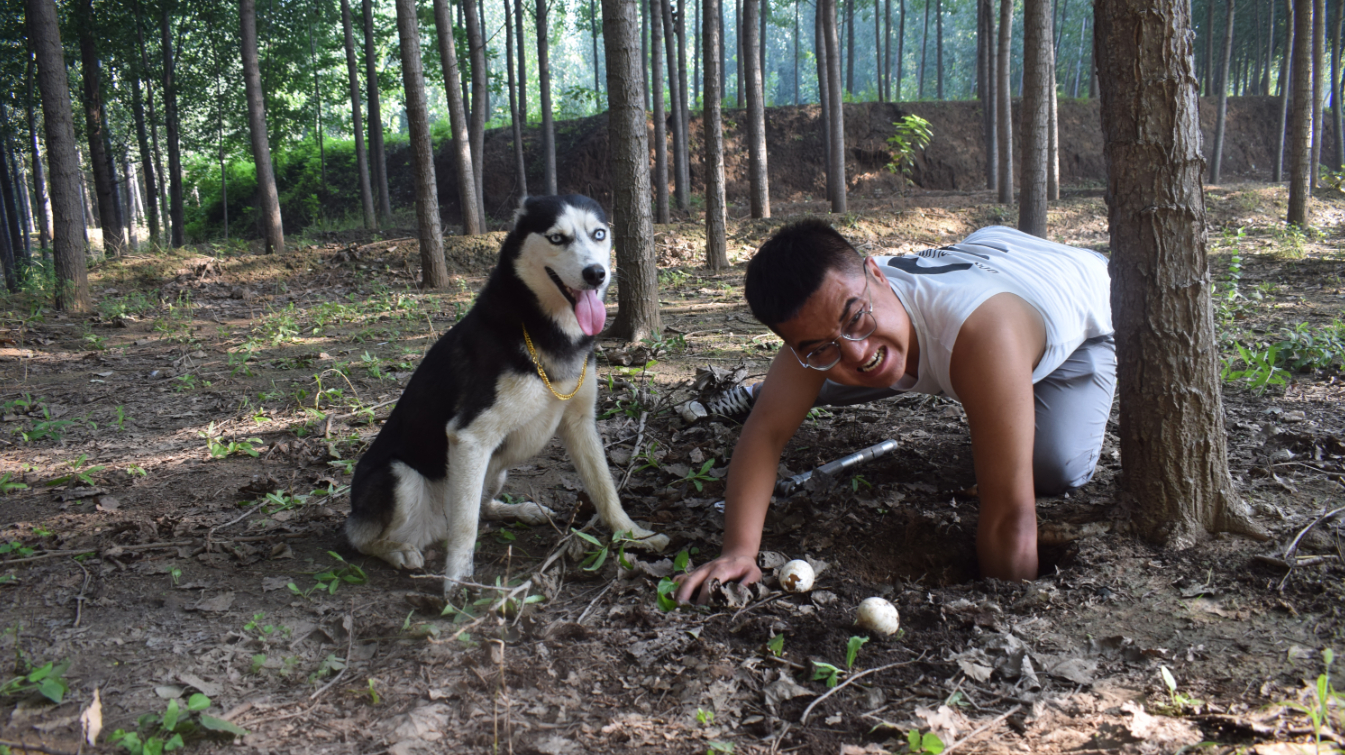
{"points": [[878, 615], [796, 576]]}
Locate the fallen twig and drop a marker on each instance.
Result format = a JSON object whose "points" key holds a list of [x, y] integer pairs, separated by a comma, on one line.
{"points": [[987, 727], [635, 452], [33, 748], [1289, 553], [79, 599], [593, 603], [851, 680]]}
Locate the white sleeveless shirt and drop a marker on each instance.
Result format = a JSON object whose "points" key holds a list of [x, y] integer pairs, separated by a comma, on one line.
{"points": [[940, 288]]}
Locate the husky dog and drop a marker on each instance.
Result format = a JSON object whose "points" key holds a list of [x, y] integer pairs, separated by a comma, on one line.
{"points": [[491, 393]]}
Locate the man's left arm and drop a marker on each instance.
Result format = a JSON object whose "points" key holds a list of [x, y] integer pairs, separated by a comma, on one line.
{"points": [[996, 351]]}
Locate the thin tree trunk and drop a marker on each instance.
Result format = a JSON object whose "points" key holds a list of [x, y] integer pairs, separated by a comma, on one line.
{"points": [[25, 204], [476, 42], [924, 52], [901, 49], [94, 129], [632, 230], [682, 163], [39, 179], [1053, 138], [515, 121], [836, 131], [1285, 85], [158, 196], [938, 45], [1300, 148], [1035, 117], [13, 225], [522, 63], [849, 46], [823, 96], [72, 282], [759, 190], [8, 259], [797, 99], [1078, 61], [1173, 442], [378, 161], [544, 82], [676, 99], [716, 213], [646, 38], [1318, 88], [696, 47], [878, 50], [661, 213], [472, 222], [434, 269], [1221, 119], [175, 200], [741, 54], [985, 87], [146, 160], [357, 121], [261, 149], [1335, 84], [887, 50], [1208, 78], [1059, 28], [317, 110], [1270, 49], [1003, 105]]}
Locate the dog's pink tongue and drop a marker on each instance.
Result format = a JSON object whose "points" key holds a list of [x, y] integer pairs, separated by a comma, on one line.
{"points": [[591, 313]]}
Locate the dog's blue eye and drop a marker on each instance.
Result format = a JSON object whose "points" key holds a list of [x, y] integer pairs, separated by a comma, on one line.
{"points": [[556, 238], [599, 234]]}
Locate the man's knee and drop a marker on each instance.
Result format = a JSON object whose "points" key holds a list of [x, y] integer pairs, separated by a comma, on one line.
{"points": [[1053, 474]]}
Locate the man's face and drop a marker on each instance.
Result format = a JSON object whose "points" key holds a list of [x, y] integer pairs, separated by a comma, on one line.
{"points": [[876, 361]]}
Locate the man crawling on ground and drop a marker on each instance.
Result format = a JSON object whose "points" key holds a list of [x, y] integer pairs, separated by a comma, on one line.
{"points": [[1015, 327]]}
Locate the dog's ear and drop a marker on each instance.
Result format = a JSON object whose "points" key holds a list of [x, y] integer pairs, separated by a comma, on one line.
{"points": [[521, 211]]}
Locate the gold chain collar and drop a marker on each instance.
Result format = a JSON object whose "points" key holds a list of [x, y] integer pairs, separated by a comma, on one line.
{"points": [[532, 352]]}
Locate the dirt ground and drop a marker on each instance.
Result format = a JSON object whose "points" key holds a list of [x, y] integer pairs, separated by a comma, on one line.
{"points": [[174, 473]]}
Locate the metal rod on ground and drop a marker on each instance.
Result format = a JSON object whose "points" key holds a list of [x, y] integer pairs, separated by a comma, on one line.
{"points": [[788, 485]]}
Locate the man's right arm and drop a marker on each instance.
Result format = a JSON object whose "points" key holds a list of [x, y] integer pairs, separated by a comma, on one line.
{"points": [[782, 403]]}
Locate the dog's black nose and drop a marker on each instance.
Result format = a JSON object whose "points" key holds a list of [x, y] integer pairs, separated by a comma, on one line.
{"points": [[594, 275]]}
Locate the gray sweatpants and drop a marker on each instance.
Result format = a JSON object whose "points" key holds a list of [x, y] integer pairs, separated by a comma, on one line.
{"points": [[1072, 406]]}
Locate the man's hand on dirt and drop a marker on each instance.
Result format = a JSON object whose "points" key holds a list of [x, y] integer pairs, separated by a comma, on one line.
{"points": [[724, 569]]}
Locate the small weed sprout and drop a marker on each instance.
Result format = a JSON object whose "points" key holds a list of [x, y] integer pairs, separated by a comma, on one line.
{"points": [[1324, 698], [705, 717], [47, 680], [7, 485], [667, 587], [776, 645], [852, 647], [923, 744], [1177, 702], [331, 579], [156, 734], [701, 476]]}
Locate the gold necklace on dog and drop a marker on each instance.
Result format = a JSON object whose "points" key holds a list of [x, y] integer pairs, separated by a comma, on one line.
{"points": [[532, 352]]}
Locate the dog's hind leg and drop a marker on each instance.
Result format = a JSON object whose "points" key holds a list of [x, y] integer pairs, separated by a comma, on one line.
{"points": [[493, 509], [579, 433]]}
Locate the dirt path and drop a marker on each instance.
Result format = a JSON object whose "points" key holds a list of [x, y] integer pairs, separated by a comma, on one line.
{"points": [[186, 455]]}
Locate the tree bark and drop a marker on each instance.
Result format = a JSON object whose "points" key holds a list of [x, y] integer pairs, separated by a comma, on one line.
{"points": [[1216, 158], [472, 222], [357, 121], [522, 63], [759, 193], [72, 282], [268, 198], [1003, 105], [378, 160], [544, 84], [836, 118], [632, 228], [677, 92], [1285, 85], [1036, 116], [13, 226], [515, 94], [434, 269], [849, 46], [1318, 88], [985, 87], [1300, 146], [684, 167], [476, 42], [716, 211], [175, 200], [1270, 49], [39, 179], [924, 54], [1172, 434], [938, 46], [823, 98], [152, 186], [1053, 137], [901, 48], [1336, 117], [8, 258], [1208, 78], [94, 129], [661, 212]]}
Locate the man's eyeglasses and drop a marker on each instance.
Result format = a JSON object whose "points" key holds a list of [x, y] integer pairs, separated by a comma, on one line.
{"points": [[860, 326]]}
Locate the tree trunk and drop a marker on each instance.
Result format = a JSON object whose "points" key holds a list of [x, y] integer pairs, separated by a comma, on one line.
{"points": [[1172, 434], [378, 161], [661, 213], [632, 229], [261, 149], [795, 43], [646, 38], [836, 122], [1078, 60], [901, 48], [759, 182], [850, 46], [434, 269], [1270, 50], [142, 134], [741, 53], [695, 49], [1208, 78], [1337, 121], [823, 96], [887, 50], [544, 83], [1053, 138], [1285, 85], [716, 212], [1300, 146], [317, 110], [677, 95], [1003, 105], [472, 222], [72, 282], [682, 165], [8, 259], [1035, 116], [39, 179], [1318, 87], [1221, 84], [94, 129], [924, 54], [157, 195], [357, 121], [175, 200], [938, 46], [522, 63], [515, 121], [476, 42], [13, 227], [985, 87], [878, 49]]}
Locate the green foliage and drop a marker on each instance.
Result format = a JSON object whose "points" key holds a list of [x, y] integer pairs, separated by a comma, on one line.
{"points": [[159, 733], [913, 134], [78, 472], [699, 477], [923, 744], [596, 558], [220, 449], [1326, 709], [776, 644], [1259, 369], [8, 486], [826, 673], [47, 680], [852, 647], [1177, 702], [331, 579]]}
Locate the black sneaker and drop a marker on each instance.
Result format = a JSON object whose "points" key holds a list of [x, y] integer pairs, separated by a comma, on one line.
{"points": [[734, 403]]}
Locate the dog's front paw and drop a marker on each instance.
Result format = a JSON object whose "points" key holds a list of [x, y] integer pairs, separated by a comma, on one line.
{"points": [[399, 555], [648, 540], [527, 512]]}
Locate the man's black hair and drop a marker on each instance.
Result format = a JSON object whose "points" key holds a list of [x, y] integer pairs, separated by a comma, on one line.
{"points": [[790, 266]]}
